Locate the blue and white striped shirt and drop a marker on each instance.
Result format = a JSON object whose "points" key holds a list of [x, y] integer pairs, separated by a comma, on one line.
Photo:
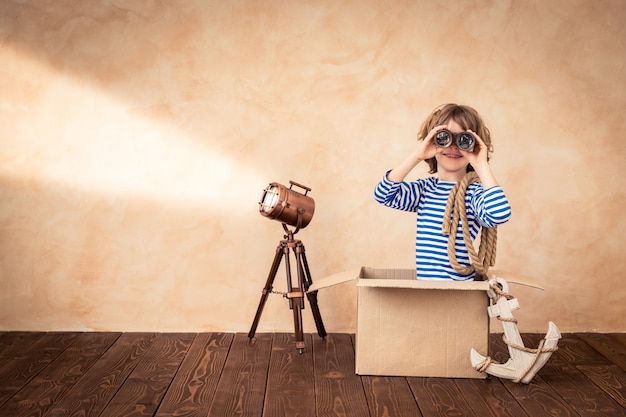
{"points": [[428, 197]]}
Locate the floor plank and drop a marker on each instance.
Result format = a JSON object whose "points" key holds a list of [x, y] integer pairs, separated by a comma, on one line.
{"points": [[489, 398], [573, 385], [93, 392], [12, 343], [290, 384], [440, 397], [143, 390], [20, 366], [241, 388], [55, 380], [338, 391], [389, 396], [539, 399], [611, 346], [610, 378], [194, 386]]}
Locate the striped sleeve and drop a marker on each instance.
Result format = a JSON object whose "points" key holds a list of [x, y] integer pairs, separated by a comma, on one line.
{"points": [[398, 195], [491, 207]]}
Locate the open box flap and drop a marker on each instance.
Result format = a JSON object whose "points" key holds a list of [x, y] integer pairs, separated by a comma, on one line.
{"points": [[335, 279], [514, 278]]}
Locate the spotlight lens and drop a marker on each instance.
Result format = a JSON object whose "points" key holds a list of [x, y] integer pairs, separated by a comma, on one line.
{"points": [[269, 199]]}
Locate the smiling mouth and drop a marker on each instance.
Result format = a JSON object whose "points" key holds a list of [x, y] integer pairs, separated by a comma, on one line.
{"points": [[452, 155]]}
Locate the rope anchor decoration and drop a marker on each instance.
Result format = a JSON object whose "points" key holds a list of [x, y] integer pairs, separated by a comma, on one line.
{"points": [[524, 362]]}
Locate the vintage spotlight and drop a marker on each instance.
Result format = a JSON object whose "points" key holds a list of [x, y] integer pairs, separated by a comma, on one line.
{"points": [[287, 206], [291, 208]]}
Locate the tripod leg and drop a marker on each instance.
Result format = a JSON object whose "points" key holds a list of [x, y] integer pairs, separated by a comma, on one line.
{"points": [[312, 297], [296, 302], [267, 289]]}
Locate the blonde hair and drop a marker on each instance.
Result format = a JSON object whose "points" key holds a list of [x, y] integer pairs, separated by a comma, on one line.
{"points": [[467, 117]]}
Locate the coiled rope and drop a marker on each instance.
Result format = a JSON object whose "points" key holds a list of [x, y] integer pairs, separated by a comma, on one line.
{"points": [[455, 211]]}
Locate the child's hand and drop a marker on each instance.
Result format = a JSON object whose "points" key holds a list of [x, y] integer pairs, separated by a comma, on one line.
{"points": [[427, 148], [480, 153], [480, 162]]}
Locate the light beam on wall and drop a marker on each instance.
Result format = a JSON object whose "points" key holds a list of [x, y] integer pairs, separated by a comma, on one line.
{"points": [[94, 142]]}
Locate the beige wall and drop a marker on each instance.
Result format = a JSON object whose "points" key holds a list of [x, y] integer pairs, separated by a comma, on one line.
{"points": [[136, 139]]}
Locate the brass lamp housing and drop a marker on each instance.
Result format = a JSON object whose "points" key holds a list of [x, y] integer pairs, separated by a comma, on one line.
{"points": [[286, 205]]}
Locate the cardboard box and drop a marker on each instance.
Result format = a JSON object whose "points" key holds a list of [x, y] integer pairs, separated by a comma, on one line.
{"points": [[410, 327]]}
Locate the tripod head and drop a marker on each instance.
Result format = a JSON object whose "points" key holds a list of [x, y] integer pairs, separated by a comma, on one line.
{"points": [[290, 233]]}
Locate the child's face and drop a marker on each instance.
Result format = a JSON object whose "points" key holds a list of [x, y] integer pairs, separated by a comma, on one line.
{"points": [[451, 164]]}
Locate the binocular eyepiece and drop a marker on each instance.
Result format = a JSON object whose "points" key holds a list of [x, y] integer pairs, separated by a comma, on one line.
{"points": [[465, 141]]}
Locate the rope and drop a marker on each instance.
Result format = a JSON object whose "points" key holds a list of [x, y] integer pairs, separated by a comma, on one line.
{"points": [[540, 349], [498, 293], [455, 212], [482, 367]]}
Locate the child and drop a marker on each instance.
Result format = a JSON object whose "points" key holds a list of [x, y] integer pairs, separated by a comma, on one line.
{"points": [[485, 202]]}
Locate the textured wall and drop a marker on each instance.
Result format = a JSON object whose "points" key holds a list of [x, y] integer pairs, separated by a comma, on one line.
{"points": [[136, 138]]}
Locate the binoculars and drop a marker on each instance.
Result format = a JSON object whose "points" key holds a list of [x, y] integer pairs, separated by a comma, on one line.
{"points": [[465, 141]]}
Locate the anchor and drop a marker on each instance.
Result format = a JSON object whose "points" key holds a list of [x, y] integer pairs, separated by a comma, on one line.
{"points": [[524, 362]]}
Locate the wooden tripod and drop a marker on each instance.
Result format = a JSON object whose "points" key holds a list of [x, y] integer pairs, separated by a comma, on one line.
{"points": [[295, 293]]}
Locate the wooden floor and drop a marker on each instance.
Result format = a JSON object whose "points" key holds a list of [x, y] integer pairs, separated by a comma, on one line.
{"points": [[224, 374]]}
